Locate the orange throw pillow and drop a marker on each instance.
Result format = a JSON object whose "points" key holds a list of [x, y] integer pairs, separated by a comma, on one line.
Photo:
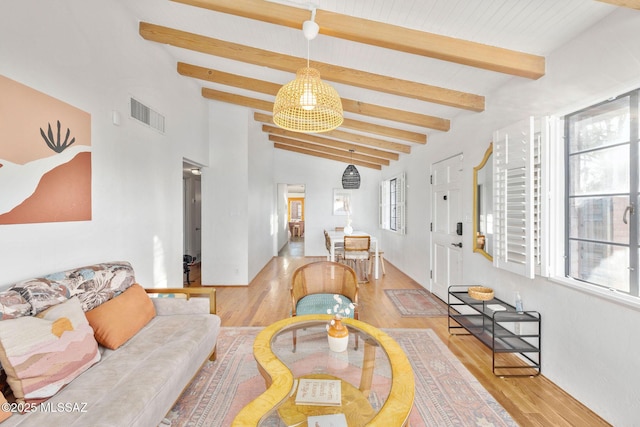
{"points": [[120, 318]]}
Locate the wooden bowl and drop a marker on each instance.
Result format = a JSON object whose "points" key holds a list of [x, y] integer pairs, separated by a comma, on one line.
{"points": [[480, 293]]}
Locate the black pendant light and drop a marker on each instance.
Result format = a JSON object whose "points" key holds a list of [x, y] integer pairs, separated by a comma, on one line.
{"points": [[351, 177]]}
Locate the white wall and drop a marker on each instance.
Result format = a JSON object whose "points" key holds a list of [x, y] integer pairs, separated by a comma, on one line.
{"points": [[225, 201], [590, 344], [281, 219], [238, 199], [262, 201], [89, 54]]}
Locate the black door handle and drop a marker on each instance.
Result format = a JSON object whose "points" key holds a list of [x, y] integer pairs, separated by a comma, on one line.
{"points": [[457, 244]]}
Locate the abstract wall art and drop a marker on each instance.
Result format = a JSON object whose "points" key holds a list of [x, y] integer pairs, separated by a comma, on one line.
{"points": [[45, 157]]}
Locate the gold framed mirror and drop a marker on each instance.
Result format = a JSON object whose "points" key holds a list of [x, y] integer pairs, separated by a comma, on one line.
{"points": [[483, 205]]}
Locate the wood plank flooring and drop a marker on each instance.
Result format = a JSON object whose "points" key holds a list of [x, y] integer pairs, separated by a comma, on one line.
{"points": [[530, 401]]}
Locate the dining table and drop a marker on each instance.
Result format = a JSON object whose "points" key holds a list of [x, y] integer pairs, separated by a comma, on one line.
{"points": [[338, 237]]}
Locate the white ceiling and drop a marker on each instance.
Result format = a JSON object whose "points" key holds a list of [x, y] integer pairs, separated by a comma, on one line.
{"points": [[531, 26]]}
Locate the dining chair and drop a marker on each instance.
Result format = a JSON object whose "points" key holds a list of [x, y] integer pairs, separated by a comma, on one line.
{"points": [[314, 285], [338, 250], [356, 252]]}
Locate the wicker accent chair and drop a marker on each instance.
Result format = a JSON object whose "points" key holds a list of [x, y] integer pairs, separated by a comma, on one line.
{"points": [[357, 252], [313, 286]]}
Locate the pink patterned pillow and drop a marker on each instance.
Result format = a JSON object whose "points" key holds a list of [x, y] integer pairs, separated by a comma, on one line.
{"points": [[42, 354]]}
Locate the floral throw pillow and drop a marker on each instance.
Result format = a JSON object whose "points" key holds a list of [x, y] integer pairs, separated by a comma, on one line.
{"points": [[13, 305], [41, 295]]}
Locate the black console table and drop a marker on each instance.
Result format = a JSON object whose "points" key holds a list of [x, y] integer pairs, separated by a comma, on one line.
{"points": [[497, 325]]}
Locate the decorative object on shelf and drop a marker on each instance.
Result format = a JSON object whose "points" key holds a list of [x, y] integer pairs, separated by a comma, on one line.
{"points": [[337, 333], [348, 229], [307, 104], [351, 176], [519, 307], [480, 293]]}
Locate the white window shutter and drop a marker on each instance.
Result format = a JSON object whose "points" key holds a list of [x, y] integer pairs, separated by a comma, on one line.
{"points": [[400, 203], [513, 182], [545, 131], [381, 205]]}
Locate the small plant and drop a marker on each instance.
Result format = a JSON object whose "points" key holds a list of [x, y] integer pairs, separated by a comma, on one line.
{"points": [[55, 144], [338, 309]]}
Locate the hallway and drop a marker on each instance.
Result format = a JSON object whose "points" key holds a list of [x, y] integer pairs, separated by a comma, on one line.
{"points": [[293, 249]]}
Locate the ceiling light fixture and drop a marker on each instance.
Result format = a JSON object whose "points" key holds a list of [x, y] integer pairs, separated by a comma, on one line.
{"points": [[196, 171], [351, 176], [307, 104]]}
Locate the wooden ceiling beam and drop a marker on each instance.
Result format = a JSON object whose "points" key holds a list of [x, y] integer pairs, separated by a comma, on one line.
{"points": [[385, 131], [631, 4], [367, 140], [348, 105], [328, 150], [323, 140], [325, 156], [389, 36], [278, 61], [345, 146], [263, 105]]}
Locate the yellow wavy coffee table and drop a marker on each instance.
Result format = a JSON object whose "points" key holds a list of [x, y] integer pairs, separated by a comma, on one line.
{"points": [[279, 379]]}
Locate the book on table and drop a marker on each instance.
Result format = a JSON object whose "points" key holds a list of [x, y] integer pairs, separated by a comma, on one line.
{"points": [[319, 392], [330, 420]]}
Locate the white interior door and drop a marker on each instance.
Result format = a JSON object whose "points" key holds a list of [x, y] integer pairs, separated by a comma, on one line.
{"points": [[446, 226]]}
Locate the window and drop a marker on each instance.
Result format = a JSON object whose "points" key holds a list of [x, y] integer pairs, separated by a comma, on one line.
{"points": [[392, 204], [601, 194]]}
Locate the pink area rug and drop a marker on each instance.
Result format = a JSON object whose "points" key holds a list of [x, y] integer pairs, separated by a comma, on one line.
{"points": [[416, 303], [446, 393]]}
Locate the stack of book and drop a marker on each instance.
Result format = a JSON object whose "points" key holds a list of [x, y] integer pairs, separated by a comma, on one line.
{"points": [[319, 392]]}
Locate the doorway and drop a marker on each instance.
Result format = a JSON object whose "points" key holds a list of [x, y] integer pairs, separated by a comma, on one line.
{"points": [[446, 226], [295, 221], [192, 221]]}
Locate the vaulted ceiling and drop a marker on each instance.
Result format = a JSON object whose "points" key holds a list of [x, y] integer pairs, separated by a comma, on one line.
{"points": [[404, 69]]}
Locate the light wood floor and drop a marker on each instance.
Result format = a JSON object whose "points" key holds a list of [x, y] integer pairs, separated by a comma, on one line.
{"points": [[530, 401]]}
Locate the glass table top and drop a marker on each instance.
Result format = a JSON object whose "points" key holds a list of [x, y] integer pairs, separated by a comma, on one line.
{"points": [[376, 379]]}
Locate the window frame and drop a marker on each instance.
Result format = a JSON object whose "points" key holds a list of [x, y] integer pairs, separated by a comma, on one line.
{"points": [[392, 204], [554, 231], [634, 171]]}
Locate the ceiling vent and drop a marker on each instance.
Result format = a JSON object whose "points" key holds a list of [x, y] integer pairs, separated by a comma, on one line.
{"points": [[146, 115]]}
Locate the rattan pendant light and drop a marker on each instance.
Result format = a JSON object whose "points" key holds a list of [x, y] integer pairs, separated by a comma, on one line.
{"points": [[351, 176], [307, 104]]}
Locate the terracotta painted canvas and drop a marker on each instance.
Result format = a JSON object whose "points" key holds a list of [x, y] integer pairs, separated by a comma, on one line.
{"points": [[45, 157]]}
